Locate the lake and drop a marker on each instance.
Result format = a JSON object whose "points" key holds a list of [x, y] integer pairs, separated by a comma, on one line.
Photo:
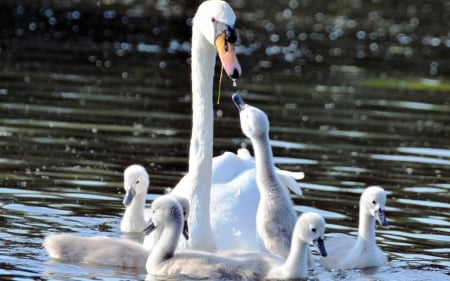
{"points": [[357, 94]]}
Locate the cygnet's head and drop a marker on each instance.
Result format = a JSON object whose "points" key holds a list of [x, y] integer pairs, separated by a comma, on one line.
{"points": [[135, 181], [165, 211], [254, 122], [373, 201], [310, 228], [186, 207], [215, 20]]}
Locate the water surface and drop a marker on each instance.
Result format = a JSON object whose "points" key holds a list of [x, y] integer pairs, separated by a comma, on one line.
{"points": [[357, 95]]}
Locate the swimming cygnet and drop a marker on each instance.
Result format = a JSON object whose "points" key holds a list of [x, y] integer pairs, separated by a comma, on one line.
{"points": [[344, 251], [136, 182], [105, 250], [309, 230], [276, 216], [167, 220]]}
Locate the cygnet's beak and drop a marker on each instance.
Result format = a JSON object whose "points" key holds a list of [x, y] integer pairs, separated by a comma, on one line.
{"points": [[239, 102], [129, 196], [228, 57], [186, 230], [321, 246], [149, 228], [381, 218]]}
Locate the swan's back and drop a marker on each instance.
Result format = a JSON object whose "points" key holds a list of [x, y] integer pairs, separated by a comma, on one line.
{"points": [[99, 250], [212, 266], [345, 253], [233, 212]]}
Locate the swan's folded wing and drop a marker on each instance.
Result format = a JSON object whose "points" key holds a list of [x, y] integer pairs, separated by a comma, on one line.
{"points": [[289, 179]]}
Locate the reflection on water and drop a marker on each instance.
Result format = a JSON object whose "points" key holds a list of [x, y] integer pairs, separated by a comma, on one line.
{"points": [[342, 82]]}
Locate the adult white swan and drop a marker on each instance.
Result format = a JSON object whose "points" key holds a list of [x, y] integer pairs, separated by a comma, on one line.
{"points": [[212, 32], [345, 251], [167, 222], [232, 222]]}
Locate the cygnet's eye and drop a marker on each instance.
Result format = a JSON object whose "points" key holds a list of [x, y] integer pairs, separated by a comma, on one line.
{"points": [[374, 202], [137, 181], [313, 230], [213, 19]]}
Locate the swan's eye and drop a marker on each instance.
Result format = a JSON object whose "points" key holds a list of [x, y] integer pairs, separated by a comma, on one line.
{"points": [[137, 182], [213, 19], [314, 230], [374, 202], [231, 35]]}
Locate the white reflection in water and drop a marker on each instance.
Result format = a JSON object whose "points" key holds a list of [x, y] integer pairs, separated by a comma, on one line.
{"points": [[319, 186], [35, 210], [287, 160], [425, 189], [425, 151], [410, 159], [324, 213], [424, 203]]}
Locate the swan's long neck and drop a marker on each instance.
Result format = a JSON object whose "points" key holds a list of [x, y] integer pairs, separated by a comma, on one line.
{"points": [[296, 264], [200, 153], [133, 217], [265, 173], [366, 230], [164, 248]]}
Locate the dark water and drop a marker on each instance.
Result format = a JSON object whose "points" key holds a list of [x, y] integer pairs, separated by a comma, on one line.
{"points": [[357, 94]]}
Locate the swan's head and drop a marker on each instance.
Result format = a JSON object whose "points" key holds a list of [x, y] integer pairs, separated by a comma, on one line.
{"points": [[165, 212], [185, 206], [254, 122], [216, 21], [135, 181], [310, 228], [373, 201]]}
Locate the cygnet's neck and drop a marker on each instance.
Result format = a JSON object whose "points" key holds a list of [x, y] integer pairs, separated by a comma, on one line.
{"points": [[265, 173], [200, 153], [165, 245], [366, 229], [133, 218], [296, 264]]}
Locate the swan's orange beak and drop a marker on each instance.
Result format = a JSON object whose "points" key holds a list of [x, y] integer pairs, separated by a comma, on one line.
{"points": [[228, 57]]}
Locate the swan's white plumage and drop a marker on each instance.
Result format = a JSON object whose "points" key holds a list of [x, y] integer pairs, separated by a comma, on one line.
{"points": [[196, 185], [346, 251], [212, 18], [98, 250], [233, 187], [163, 261], [135, 182], [235, 197]]}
